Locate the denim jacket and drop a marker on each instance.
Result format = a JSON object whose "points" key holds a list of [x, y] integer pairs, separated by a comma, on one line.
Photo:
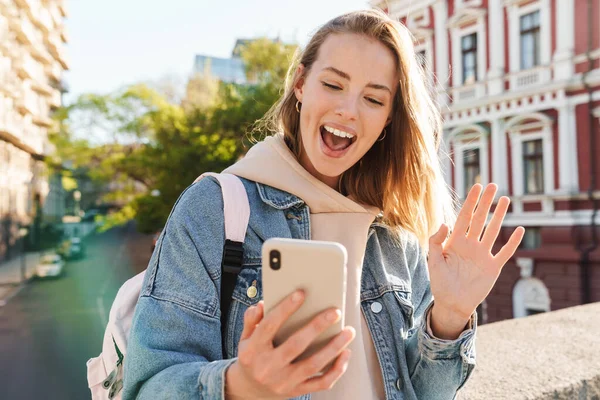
{"points": [[175, 348]]}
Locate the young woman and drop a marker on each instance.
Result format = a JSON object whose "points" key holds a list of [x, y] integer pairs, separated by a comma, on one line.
{"points": [[353, 159]]}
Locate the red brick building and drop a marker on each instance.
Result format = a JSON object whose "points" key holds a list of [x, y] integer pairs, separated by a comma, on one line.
{"points": [[519, 86]]}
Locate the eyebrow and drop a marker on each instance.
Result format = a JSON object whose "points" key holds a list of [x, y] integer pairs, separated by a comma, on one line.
{"points": [[346, 76]]}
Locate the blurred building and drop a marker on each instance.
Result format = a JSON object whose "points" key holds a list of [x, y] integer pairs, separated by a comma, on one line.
{"points": [[32, 60], [230, 70], [519, 86]]}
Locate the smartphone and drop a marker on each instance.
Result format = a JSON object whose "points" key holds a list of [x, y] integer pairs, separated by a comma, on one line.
{"points": [[318, 268]]}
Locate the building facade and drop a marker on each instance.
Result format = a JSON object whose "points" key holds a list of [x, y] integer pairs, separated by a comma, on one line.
{"points": [[32, 60], [518, 82]]}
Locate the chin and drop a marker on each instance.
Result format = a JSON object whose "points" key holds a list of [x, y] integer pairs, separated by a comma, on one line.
{"points": [[328, 168]]}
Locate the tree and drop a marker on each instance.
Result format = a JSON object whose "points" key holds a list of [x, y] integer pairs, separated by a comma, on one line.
{"points": [[136, 142]]}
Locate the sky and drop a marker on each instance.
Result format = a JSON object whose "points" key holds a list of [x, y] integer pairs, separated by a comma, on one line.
{"points": [[113, 43]]}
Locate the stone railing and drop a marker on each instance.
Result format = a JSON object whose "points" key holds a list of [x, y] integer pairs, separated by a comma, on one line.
{"points": [[555, 355]]}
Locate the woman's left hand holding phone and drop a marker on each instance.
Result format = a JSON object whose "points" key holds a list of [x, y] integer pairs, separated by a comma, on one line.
{"points": [[268, 372]]}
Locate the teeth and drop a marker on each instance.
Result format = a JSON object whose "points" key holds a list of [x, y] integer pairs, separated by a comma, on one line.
{"points": [[339, 133]]}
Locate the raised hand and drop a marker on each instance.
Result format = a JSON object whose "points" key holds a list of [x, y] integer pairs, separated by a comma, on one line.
{"points": [[462, 268]]}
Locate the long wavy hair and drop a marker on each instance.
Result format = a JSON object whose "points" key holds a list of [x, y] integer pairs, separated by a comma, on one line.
{"points": [[401, 175]]}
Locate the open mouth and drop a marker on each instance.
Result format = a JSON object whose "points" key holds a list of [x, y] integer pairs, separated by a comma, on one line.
{"points": [[335, 141]]}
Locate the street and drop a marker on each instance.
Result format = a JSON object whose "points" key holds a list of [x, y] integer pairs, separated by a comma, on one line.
{"points": [[52, 327]]}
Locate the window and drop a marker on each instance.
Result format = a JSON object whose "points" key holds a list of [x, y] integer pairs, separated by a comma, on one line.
{"points": [[471, 168], [532, 239], [530, 40], [469, 58], [533, 166]]}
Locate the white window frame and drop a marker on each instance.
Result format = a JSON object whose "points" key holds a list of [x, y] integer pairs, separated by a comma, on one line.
{"points": [[514, 127], [478, 139], [456, 33], [515, 12], [466, 3], [426, 44]]}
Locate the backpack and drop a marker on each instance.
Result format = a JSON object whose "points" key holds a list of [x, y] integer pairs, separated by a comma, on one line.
{"points": [[105, 372]]}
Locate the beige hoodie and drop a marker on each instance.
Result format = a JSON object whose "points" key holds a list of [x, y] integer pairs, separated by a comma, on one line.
{"points": [[337, 218]]}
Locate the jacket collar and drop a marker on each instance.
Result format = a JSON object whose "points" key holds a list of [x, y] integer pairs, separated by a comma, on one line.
{"points": [[277, 198]]}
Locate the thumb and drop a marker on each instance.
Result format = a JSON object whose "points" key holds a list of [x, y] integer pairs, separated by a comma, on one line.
{"points": [[436, 243]]}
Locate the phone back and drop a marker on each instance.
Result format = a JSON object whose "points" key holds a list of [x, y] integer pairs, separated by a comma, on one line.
{"points": [[317, 267]]}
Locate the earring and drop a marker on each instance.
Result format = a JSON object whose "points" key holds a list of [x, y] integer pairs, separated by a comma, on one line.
{"points": [[382, 137], [297, 106]]}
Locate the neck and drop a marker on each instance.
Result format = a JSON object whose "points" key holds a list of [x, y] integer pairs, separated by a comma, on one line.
{"points": [[331, 181]]}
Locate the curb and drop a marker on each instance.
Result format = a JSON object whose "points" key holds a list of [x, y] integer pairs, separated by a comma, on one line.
{"points": [[12, 290]]}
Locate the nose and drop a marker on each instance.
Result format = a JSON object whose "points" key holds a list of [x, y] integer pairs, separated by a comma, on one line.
{"points": [[347, 108]]}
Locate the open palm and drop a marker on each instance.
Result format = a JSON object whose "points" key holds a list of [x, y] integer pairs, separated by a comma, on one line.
{"points": [[462, 268]]}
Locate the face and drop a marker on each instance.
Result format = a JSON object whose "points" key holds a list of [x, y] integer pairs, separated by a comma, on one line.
{"points": [[346, 101]]}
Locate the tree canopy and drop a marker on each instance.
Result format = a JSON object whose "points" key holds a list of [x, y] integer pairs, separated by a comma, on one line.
{"points": [[144, 150]]}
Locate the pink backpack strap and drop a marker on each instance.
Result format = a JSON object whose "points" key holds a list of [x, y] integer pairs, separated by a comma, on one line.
{"points": [[236, 206]]}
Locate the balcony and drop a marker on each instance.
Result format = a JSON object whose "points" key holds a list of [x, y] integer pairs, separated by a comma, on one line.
{"points": [[56, 16], [529, 78], [25, 66], [41, 86], [54, 71], [26, 4], [42, 120], [39, 52], [44, 21], [468, 92], [24, 29], [55, 46], [26, 102], [62, 8], [55, 99]]}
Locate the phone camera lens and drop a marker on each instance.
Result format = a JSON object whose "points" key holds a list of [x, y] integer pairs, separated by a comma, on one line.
{"points": [[275, 260]]}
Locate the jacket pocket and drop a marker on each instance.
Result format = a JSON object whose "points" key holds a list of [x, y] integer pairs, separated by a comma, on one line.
{"points": [[247, 292]]}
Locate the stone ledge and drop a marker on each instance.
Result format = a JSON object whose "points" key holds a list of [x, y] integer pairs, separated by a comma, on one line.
{"points": [[555, 355]]}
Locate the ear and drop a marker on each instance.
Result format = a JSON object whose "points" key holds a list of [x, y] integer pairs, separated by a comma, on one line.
{"points": [[299, 82]]}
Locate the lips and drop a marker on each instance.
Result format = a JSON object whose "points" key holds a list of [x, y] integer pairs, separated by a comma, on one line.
{"points": [[332, 145]]}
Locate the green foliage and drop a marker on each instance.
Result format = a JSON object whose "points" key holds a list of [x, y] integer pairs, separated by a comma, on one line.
{"points": [[133, 142]]}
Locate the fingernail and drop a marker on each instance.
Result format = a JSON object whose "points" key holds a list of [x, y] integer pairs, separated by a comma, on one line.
{"points": [[334, 315], [297, 297]]}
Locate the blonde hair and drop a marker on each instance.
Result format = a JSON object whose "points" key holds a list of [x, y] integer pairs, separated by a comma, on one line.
{"points": [[400, 174]]}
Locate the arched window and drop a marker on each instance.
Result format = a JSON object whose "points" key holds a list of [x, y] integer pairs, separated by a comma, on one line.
{"points": [[470, 154], [532, 154]]}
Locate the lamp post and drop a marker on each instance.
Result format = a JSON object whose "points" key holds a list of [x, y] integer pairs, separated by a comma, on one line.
{"points": [[22, 234]]}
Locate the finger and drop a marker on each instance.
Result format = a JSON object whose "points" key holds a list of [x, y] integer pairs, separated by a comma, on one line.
{"points": [[317, 362], [493, 228], [507, 251], [252, 317], [436, 244], [330, 378], [271, 323], [466, 212], [302, 338], [482, 212]]}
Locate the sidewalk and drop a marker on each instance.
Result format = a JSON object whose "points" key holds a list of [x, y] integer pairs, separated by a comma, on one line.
{"points": [[10, 275]]}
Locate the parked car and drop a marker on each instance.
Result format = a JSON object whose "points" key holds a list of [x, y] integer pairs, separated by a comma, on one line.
{"points": [[50, 265], [77, 248], [71, 248]]}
